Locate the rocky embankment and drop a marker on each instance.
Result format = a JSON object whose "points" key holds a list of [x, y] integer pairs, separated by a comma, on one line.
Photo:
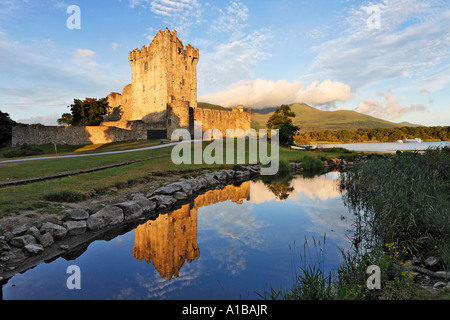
{"points": [[27, 245]]}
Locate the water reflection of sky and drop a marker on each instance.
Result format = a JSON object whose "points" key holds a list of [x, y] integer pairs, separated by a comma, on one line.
{"points": [[243, 247]]}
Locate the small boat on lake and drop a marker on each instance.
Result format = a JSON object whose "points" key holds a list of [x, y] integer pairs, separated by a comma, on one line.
{"points": [[416, 140]]}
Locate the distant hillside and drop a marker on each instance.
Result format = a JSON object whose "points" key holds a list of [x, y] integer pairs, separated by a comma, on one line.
{"points": [[312, 119], [204, 105]]}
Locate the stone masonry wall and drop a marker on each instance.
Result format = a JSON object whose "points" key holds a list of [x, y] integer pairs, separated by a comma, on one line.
{"points": [[223, 120], [72, 135]]}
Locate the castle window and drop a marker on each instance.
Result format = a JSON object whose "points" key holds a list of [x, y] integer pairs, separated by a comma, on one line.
{"points": [[169, 121], [179, 50], [185, 67], [145, 66]]}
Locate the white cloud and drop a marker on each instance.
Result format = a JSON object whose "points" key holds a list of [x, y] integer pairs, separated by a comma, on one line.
{"points": [[114, 45], [232, 61], [42, 77], [413, 39], [261, 93], [85, 58], [84, 53], [233, 18], [390, 110], [177, 14], [48, 120]]}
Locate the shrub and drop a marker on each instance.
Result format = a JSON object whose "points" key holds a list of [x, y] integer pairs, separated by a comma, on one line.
{"points": [[23, 151], [65, 196], [237, 167], [312, 163], [284, 166]]}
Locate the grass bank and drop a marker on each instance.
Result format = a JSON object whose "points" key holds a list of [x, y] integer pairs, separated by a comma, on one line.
{"points": [[39, 195]]}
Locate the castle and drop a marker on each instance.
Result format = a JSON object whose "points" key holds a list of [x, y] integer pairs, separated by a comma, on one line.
{"points": [[161, 98]]}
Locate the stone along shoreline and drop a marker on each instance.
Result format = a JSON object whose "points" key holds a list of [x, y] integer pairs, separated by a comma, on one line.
{"points": [[73, 230]]}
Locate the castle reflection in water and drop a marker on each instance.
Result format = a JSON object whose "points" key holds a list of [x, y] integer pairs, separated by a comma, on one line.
{"points": [[171, 240]]}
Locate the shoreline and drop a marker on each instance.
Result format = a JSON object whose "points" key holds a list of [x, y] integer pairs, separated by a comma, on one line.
{"points": [[70, 232]]}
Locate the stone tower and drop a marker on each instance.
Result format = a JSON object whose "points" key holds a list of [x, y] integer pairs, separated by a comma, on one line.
{"points": [[163, 89]]}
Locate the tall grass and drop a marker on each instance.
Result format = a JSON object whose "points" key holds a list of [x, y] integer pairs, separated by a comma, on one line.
{"points": [[401, 207], [403, 202]]}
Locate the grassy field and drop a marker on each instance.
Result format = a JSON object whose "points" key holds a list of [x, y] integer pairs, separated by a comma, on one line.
{"points": [[32, 196]]}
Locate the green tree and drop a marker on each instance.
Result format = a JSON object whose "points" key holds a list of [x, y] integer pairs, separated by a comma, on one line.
{"points": [[66, 119], [6, 125], [281, 119], [88, 112]]}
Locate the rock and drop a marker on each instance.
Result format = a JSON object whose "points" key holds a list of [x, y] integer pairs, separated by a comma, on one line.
{"points": [[169, 189], [185, 187], [8, 236], [163, 201], [195, 184], [19, 231], [4, 246], [131, 209], [202, 180], [210, 180], [22, 241], [76, 214], [220, 175], [439, 284], [430, 261], [75, 227], [34, 232], [146, 204], [56, 231], [6, 256], [179, 195], [108, 216], [46, 240], [241, 175], [33, 248], [64, 247], [443, 273]]}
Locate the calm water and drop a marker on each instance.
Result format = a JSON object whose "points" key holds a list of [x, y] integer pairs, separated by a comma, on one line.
{"points": [[388, 146], [228, 244]]}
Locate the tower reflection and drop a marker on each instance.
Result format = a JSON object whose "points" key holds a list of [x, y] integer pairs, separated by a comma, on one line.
{"points": [[171, 240]]}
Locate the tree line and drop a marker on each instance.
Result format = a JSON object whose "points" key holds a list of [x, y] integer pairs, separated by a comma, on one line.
{"points": [[439, 133]]}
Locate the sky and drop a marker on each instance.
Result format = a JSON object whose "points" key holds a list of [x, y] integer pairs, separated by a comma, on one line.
{"points": [[389, 59]]}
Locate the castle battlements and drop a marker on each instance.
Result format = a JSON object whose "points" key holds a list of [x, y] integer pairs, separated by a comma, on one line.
{"points": [[166, 40]]}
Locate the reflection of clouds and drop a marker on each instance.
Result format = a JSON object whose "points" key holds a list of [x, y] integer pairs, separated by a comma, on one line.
{"points": [[235, 224], [323, 187], [157, 287], [328, 218], [319, 198], [233, 221], [231, 258]]}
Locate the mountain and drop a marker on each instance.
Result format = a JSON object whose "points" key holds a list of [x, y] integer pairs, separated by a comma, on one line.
{"points": [[311, 119]]}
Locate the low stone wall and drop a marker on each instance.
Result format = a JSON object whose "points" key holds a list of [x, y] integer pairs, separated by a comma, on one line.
{"points": [[26, 246], [41, 135]]}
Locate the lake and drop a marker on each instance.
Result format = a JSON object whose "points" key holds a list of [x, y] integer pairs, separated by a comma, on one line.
{"points": [[228, 244], [387, 146]]}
